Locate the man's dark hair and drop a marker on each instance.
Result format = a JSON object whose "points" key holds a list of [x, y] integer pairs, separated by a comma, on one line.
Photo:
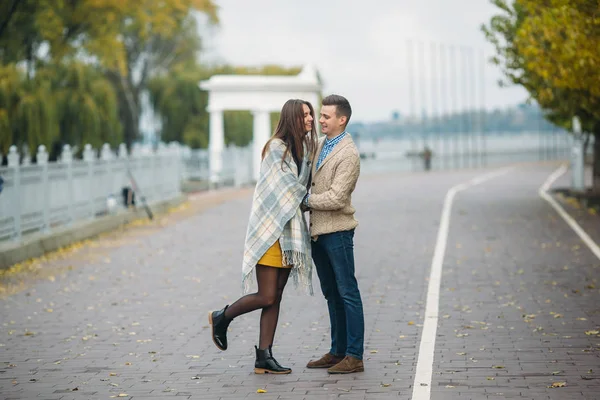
{"points": [[342, 106]]}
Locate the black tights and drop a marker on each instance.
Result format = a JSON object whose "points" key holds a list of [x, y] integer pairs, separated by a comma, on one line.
{"points": [[271, 282]]}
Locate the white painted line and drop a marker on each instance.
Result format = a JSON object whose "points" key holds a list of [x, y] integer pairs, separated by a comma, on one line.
{"points": [[561, 211], [424, 371]]}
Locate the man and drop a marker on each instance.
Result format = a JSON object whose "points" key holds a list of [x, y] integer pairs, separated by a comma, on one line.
{"points": [[335, 171]]}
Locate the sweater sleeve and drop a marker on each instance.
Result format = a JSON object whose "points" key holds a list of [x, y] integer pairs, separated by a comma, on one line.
{"points": [[344, 182]]}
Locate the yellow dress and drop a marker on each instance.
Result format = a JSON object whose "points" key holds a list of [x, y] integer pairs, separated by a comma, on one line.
{"points": [[272, 258]]}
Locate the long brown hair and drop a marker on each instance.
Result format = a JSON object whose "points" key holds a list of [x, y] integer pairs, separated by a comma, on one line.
{"points": [[290, 129]]}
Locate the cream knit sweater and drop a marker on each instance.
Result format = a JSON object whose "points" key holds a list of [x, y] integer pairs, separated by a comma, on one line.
{"points": [[332, 185]]}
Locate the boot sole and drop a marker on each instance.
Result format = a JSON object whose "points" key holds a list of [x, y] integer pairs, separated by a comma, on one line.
{"points": [[212, 329], [261, 371], [321, 366], [347, 372]]}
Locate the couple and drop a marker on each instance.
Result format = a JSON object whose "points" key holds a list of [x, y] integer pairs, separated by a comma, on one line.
{"points": [[278, 242]]}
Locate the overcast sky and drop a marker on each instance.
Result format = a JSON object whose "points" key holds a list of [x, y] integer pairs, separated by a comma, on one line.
{"points": [[360, 48]]}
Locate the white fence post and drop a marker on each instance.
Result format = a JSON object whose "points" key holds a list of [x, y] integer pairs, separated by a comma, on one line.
{"points": [[26, 159], [158, 160], [88, 157], [42, 159], [176, 157], [13, 162], [67, 158]]}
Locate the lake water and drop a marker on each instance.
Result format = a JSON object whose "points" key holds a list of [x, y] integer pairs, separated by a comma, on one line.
{"points": [[453, 151]]}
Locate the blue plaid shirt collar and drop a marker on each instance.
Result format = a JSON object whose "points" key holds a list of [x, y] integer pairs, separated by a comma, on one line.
{"points": [[328, 147]]}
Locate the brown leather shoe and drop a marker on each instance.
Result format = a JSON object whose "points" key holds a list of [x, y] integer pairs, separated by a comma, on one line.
{"points": [[328, 360], [347, 366]]}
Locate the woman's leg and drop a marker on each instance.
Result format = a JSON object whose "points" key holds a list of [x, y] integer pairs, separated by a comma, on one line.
{"points": [[265, 297], [270, 314]]}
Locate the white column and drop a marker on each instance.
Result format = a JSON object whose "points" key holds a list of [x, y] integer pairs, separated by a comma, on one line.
{"points": [[262, 133], [577, 158], [216, 144]]}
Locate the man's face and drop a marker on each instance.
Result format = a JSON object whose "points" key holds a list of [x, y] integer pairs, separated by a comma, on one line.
{"points": [[331, 124], [308, 119]]}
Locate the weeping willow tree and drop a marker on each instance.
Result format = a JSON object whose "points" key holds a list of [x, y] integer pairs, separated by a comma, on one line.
{"points": [[71, 104], [27, 110], [87, 107], [181, 105]]}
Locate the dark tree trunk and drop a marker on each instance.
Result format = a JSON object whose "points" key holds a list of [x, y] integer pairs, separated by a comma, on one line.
{"points": [[129, 107]]}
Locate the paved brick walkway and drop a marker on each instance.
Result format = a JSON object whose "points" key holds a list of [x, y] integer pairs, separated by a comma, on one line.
{"points": [[126, 314]]}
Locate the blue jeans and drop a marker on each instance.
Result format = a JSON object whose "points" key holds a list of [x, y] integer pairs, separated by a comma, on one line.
{"points": [[333, 255]]}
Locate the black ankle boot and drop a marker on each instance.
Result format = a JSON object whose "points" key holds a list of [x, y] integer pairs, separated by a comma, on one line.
{"points": [[219, 327], [266, 364]]}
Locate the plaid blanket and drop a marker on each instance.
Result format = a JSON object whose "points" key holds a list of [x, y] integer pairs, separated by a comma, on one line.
{"points": [[276, 215]]}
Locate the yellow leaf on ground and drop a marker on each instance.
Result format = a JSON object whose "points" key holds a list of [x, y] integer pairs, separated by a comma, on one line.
{"points": [[261, 391], [558, 385]]}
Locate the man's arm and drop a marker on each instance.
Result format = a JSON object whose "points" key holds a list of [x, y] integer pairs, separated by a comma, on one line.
{"points": [[344, 182]]}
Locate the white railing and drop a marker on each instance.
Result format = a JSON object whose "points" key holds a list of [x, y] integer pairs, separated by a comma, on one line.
{"points": [[237, 166], [39, 197]]}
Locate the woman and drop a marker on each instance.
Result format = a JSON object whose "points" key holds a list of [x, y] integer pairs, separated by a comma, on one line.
{"points": [[277, 240]]}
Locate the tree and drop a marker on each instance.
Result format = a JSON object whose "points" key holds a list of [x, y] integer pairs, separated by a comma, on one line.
{"points": [[87, 107], [156, 36], [181, 105], [129, 41], [27, 112], [550, 48]]}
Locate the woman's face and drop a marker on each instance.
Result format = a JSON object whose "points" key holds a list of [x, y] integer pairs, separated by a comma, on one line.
{"points": [[308, 119]]}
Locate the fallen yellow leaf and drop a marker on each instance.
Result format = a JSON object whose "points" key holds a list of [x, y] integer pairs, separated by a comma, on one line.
{"points": [[558, 385], [261, 391]]}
